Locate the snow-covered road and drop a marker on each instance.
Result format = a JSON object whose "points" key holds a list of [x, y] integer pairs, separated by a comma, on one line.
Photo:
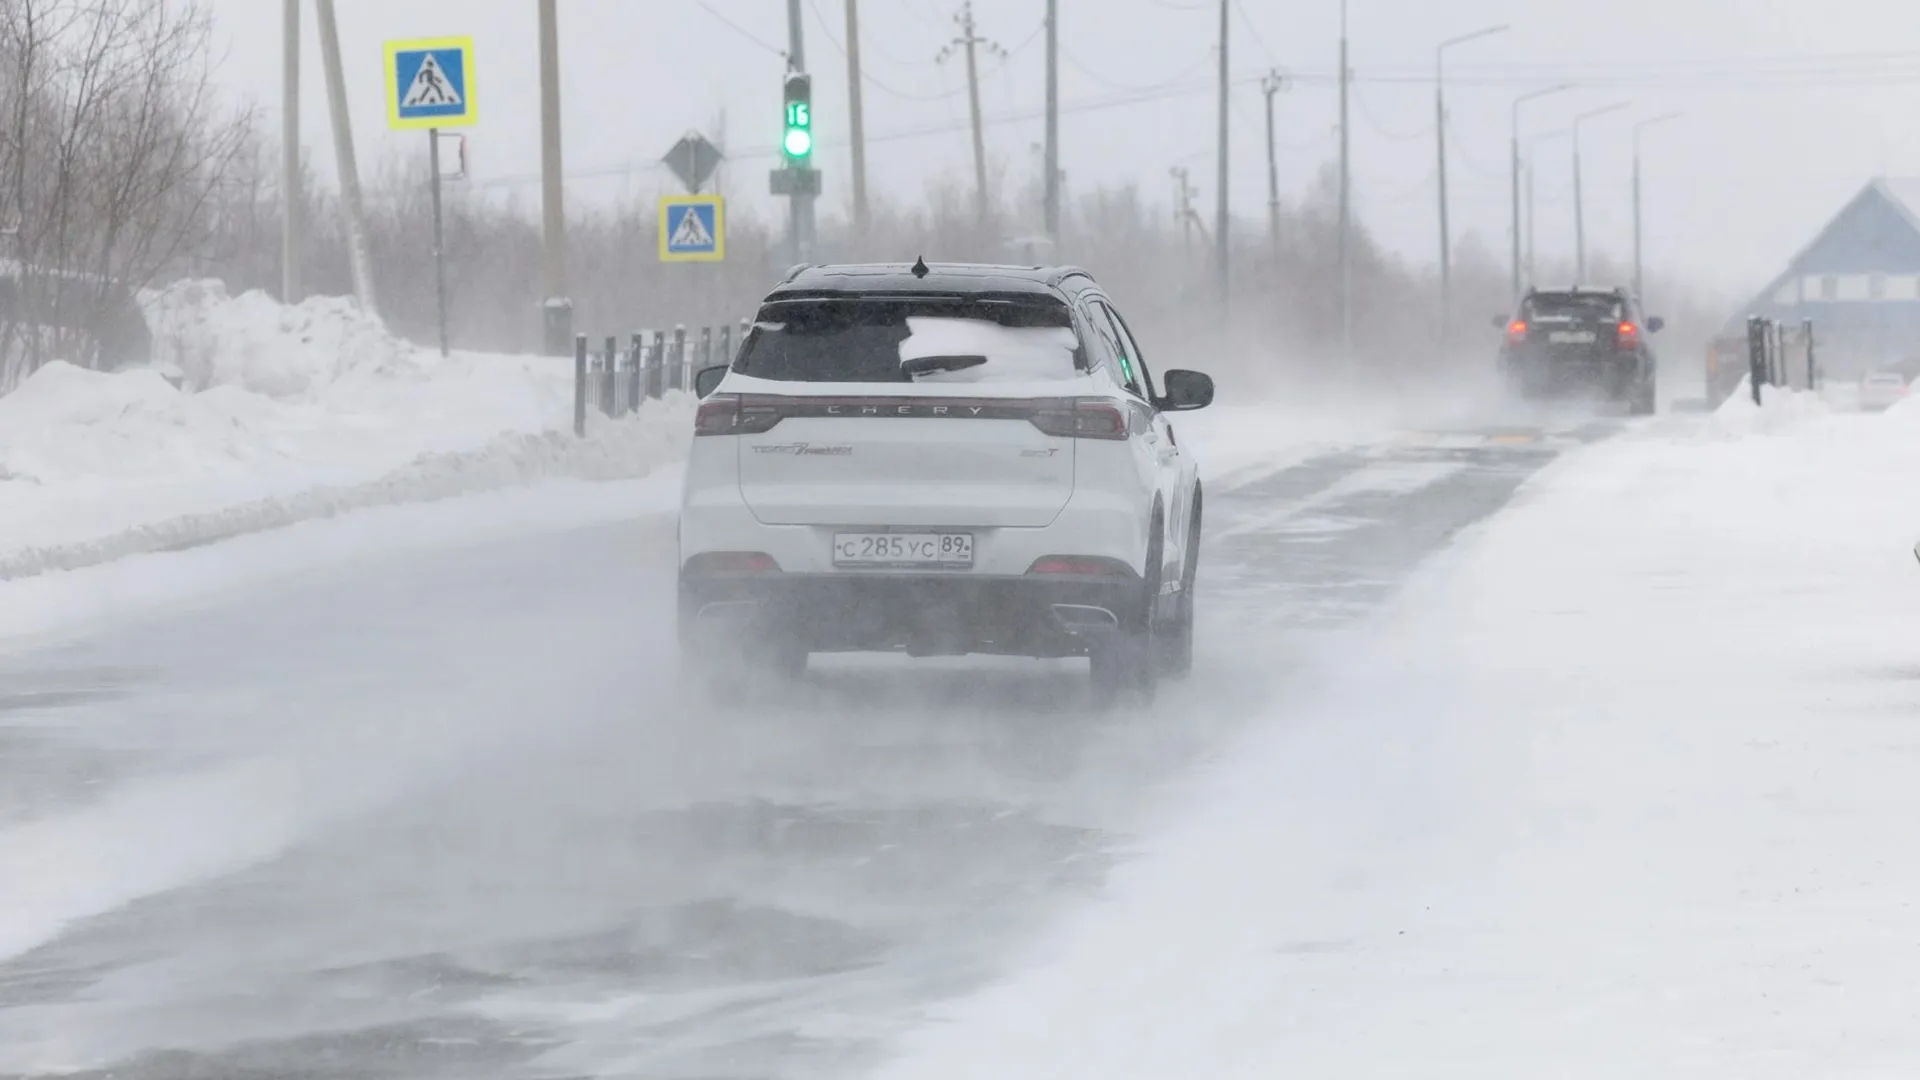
{"points": [[445, 813]]}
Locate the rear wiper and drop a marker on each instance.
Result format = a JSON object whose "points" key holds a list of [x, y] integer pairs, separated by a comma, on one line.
{"points": [[928, 365]]}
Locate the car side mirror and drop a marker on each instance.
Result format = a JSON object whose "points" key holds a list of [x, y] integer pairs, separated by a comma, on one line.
{"points": [[708, 378], [1186, 390], [1500, 322], [1655, 323]]}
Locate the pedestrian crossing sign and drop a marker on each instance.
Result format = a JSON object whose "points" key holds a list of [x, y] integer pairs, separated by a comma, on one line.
{"points": [[430, 83], [693, 228]]}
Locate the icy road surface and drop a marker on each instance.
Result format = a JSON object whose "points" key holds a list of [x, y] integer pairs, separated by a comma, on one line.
{"points": [[446, 815]]}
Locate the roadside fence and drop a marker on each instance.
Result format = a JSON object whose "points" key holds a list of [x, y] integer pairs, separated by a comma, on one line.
{"points": [[617, 379]]}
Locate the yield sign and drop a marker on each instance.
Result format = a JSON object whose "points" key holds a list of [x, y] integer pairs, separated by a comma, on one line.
{"points": [[693, 160]]}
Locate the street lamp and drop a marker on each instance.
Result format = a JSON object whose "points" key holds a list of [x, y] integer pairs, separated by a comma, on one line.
{"points": [[1515, 156], [1527, 165], [1638, 284], [1579, 209], [1440, 142]]}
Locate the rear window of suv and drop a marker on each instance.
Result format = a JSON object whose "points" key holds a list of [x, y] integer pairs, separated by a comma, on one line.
{"points": [[1572, 306], [874, 341]]}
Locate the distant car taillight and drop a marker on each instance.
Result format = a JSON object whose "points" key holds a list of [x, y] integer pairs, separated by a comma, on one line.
{"points": [[1082, 418], [1516, 331], [729, 414], [1627, 336]]}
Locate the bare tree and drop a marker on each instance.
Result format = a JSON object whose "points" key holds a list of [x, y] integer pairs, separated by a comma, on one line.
{"points": [[112, 155]]}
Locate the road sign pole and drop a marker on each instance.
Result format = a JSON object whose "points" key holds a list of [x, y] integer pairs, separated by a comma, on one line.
{"points": [[439, 237]]}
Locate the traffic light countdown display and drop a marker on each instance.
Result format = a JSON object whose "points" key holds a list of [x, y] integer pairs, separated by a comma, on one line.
{"points": [[797, 142]]}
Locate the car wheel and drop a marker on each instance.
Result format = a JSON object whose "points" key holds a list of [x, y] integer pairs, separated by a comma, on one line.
{"points": [[1127, 660], [1174, 642]]}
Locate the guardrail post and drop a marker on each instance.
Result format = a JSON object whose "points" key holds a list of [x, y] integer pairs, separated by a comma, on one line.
{"points": [[677, 378], [1756, 354], [580, 384], [706, 353], [726, 344]]}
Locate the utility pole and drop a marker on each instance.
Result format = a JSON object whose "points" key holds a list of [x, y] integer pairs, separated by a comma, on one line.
{"points": [[359, 259], [1579, 207], [1183, 207], [1639, 283], [1514, 158], [1223, 239], [553, 217], [855, 121], [1271, 84], [1346, 207], [1528, 157], [970, 41], [290, 194], [1440, 145], [1052, 183]]}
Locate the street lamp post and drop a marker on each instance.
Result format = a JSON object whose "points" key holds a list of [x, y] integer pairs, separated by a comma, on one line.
{"points": [[1579, 208], [1639, 285], [1515, 158], [1440, 143], [1527, 165]]}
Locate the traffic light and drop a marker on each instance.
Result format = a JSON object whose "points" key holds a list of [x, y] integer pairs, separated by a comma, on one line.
{"points": [[797, 143]]}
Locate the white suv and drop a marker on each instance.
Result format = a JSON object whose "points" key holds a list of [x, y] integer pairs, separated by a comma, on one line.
{"points": [[940, 460]]}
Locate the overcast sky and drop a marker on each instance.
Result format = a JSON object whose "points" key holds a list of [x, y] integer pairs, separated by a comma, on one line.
{"points": [[1790, 105]]}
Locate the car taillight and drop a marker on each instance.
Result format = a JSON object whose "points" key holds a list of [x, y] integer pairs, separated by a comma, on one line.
{"points": [[1627, 336], [1516, 331], [1082, 418], [730, 414], [1080, 565], [732, 562]]}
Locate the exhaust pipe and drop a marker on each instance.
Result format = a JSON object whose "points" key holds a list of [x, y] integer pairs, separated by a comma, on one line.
{"points": [[1085, 619]]}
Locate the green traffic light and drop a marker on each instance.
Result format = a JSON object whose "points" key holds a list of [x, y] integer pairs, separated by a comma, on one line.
{"points": [[799, 142]]}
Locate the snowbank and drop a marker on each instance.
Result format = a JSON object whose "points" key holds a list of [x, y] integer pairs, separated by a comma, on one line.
{"points": [[282, 414], [1620, 787]]}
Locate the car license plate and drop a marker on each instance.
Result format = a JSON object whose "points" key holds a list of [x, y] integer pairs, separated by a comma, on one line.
{"points": [[943, 549], [1572, 337]]}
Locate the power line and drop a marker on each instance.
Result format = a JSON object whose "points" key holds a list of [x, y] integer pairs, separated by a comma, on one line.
{"points": [[866, 76], [1254, 32], [738, 29], [1114, 84], [1380, 129]]}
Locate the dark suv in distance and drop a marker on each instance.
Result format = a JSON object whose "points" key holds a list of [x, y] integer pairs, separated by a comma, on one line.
{"points": [[1580, 341]]}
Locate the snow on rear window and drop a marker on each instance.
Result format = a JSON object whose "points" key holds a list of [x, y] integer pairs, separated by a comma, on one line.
{"points": [[1014, 353]]}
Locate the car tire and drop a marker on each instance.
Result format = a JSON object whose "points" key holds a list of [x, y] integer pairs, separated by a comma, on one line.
{"points": [[1127, 661], [1174, 642], [1641, 402]]}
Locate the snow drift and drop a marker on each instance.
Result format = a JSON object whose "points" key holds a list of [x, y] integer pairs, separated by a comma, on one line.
{"points": [[257, 414]]}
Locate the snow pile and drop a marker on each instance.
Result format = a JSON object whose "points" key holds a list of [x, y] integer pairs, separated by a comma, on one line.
{"points": [[256, 343], [1618, 788], [1780, 409], [281, 414]]}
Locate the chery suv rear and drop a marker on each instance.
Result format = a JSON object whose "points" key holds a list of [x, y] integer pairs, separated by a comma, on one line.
{"points": [[940, 460]]}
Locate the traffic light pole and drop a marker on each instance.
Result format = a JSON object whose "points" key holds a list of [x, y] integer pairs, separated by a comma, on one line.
{"points": [[800, 220]]}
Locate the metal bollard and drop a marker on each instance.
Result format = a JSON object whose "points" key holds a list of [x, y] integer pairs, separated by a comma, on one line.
{"points": [[726, 344], [706, 352], [1756, 354], [1806, 327], [610, 400], [677, 378], [580, 384], [657, 368], [634, 387]]}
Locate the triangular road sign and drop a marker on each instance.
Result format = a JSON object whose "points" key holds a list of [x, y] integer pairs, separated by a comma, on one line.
{"points": [[430, 87], [690, 232]]}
